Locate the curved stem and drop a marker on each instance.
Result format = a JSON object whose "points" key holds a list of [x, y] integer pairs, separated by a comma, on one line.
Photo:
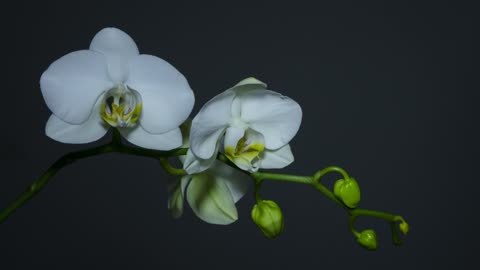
{"points": [[169, 168], [315, 181], [391, 219], [318, 175], [38, 185], [351, 221], [310, 180], [115, 146]]}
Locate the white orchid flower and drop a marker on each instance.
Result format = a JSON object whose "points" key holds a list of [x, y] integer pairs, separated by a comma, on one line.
{"points": [[112, 85], [211, 194], [252, 124]]}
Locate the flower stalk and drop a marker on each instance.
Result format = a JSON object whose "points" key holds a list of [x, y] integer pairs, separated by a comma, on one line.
{"points": [[117, 146], [146, 101]]}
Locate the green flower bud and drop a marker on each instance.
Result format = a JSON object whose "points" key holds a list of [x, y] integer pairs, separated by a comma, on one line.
{"points": [[404, 227], [368, 239], [348, 191], [268, 217]]}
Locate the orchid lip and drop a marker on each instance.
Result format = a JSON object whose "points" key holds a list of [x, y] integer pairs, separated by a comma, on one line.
{"points": [[246, 153], [121, 106]]}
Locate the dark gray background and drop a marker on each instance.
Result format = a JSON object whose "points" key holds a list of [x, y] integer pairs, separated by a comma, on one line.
{"points": [[387, 93]]}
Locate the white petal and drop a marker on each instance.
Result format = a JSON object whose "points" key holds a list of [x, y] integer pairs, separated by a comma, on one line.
{"points": [[276, 159], [237, 181], [114, 41], [232, 136], [210, 123], [166, 96], [163, 141], [241, 88], [91, 130], [118, 47], [192, 164], [210, 199], [176, 189], [72, 84], [254, 137], [250, 83], [277, 117]]}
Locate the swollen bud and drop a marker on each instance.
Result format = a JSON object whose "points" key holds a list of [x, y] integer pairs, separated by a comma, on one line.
{"points": [[268, 217], [368, 239], [348, 191]]}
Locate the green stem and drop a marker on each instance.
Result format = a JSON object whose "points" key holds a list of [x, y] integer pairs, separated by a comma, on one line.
{"points": [[169, 168], [115, 146], [310, 180], [256, 192], [351, 221], [38, 185], [315, 181], [372, 213], [260, 176], [391, 219], [318, 175]]}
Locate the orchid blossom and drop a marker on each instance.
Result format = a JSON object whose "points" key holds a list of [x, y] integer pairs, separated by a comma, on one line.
{"points": [[211, 194], [252, 124], [112, 85], [147, 101]]}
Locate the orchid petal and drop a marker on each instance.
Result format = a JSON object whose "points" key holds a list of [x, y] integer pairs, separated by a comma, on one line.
{"points": [[72, 84], [91, 130], [163, 141], [247, 84], [166, 96], [192, 164], [113, 41], [118, 47], [210, 123], [238, 182], [175, 199], [277, 117], [211, 200], [243, 87], [232, 136], [276, 159]]}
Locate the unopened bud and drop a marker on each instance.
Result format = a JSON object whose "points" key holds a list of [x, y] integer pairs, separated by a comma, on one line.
{"points": [[368, 239], [404, 228], [348, 191], [268, 217]]}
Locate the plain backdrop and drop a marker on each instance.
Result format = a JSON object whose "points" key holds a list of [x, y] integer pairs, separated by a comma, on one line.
{"points": [[387, 93]]}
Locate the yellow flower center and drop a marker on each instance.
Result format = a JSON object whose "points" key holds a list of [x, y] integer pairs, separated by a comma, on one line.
{"points": [[121, 107], [244, 154]]}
